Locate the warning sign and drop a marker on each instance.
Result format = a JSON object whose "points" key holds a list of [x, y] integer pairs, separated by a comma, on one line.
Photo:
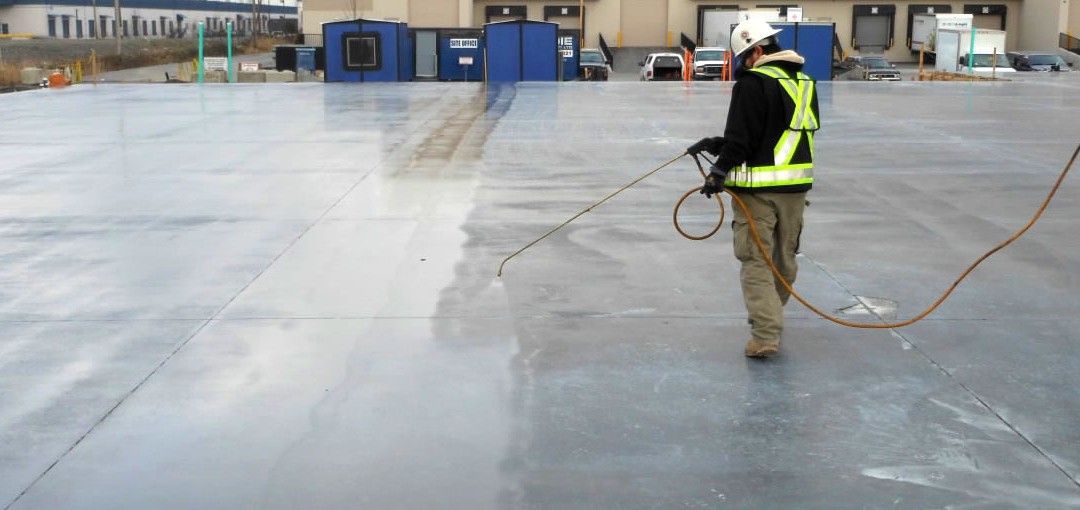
{"points": [[216, 63]]}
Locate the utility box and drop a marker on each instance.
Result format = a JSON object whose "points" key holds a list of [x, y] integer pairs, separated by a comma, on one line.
{"points": [[305, 59], [812, 40], [363, 50], [522, 50], [285, 56], [461, 54]]}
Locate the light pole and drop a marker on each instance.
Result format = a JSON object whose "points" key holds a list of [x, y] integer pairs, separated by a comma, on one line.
{"points": [[581, 22], [116, 27]]}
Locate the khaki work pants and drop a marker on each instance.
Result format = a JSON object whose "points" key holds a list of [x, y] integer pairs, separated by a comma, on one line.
{"points": [[779, 220]]}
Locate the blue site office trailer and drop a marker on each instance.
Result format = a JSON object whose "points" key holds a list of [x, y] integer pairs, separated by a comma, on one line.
{"points": [[363, 50], [812, 40], [461, 54], [522, 50]]}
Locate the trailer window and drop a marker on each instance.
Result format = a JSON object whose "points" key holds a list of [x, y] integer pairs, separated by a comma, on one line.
{"points": [[361, 51]]}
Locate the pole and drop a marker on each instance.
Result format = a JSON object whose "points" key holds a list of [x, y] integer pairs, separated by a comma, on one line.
{"points": [[971, 51], [581, 22], [254, 25], [228, 44], [94, 23], [116, 26], [201, 63]]}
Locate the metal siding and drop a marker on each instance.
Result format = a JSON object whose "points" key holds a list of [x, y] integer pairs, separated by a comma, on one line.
{"points": [[541, 55], [570, 64], [813, 42], [335, 65], [388, 51], [503, 44], [449, 69]]}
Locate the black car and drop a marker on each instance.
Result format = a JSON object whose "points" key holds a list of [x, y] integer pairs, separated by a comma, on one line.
{"points": [[592, 66]]}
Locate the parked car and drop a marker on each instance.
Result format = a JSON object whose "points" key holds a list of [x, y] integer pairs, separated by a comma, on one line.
{"points": [[592, 65], [1036, 61], [662, 66], [869, 68], [708, 63]]}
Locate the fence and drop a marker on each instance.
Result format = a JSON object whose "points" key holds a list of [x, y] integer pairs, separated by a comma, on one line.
{"points": [[312, 40]]}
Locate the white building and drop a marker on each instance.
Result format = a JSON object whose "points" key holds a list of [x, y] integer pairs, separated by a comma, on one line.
{"points": [[80, 19]]}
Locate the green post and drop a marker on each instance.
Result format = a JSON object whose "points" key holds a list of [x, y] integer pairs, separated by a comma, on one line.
{"points": [[228, 44], [971, 51], [201, 63]]}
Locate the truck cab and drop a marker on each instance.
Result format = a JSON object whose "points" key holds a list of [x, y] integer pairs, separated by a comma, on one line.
{"points": [[709, 63]]}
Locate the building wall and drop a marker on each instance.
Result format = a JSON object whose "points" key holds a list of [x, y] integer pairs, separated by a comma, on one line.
{"points": [[649, 22], [1073, 27], [34, 19], [1039, 26], [432, 13], [644, 23]]}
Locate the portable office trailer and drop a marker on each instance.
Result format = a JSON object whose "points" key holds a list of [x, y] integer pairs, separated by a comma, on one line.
{"points": [[461, 54], [363, 50], [570, 53], [522, 50], [814, 41]]}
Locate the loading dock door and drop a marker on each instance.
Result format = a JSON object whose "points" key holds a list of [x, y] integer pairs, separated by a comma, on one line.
{"points": [[567, 17], [644, 22], [988, 21], [989, 16], [872, 33], [716, 27], [426, 55]]}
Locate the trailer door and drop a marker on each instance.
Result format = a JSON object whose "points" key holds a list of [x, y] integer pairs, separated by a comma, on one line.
{"points": [[426, 54]]}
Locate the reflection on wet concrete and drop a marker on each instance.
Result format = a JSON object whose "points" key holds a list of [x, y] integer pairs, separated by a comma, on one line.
{"points": [[324, 273]]}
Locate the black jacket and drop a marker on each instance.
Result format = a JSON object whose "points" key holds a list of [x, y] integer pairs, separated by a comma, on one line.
{"points": [[758, 115]]}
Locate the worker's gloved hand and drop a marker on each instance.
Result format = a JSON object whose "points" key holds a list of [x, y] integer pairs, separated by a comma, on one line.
{"points": [[714, 182], [711, 145]]}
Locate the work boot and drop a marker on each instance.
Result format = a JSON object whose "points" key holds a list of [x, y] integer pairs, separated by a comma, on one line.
{"points": [[755, 349]]}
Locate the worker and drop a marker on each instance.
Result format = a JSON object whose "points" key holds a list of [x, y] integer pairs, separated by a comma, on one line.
{"points": [[765, 158]]}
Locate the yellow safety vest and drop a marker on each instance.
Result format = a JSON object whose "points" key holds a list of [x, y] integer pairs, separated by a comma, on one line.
{"points": [[790, 167]]}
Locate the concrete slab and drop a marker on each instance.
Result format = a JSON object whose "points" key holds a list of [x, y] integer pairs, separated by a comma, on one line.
{"points": [[214, 304]]}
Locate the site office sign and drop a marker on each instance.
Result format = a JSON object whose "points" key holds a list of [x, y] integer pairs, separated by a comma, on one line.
{"points": [[464, 44]]}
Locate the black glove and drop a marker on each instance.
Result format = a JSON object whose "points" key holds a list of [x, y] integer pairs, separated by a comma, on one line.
{"points": [[711, 145], [714, 182]]}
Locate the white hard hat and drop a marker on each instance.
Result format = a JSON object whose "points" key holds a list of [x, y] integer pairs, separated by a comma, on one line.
{"points": [[749, 33]]}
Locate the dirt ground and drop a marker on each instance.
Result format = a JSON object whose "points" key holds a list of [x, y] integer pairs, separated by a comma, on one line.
{"points": [[52, 51], [16, 54]]}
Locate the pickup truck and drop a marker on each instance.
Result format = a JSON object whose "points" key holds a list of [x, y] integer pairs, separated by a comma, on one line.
{"points": [[662, 66], [708, 63]]}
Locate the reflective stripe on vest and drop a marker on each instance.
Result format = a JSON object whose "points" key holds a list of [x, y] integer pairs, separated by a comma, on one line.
{"points": [[803, 123]]}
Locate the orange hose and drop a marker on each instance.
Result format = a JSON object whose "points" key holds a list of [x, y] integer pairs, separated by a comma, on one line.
{"points": [[842, 322]]}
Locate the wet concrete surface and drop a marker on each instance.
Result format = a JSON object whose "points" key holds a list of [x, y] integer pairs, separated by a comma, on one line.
{"points": [[284, 296]]}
